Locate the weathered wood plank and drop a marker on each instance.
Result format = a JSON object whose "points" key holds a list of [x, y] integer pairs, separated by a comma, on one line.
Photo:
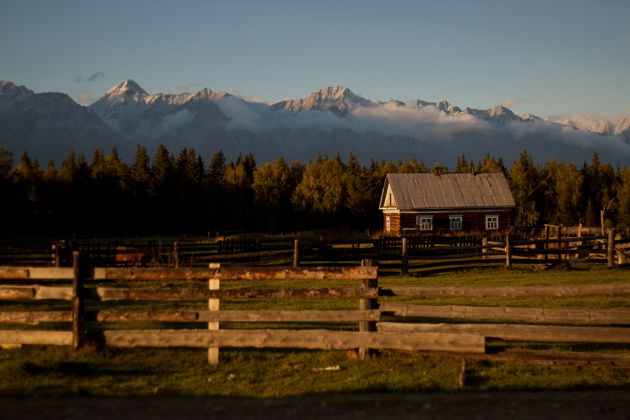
{"points": [[34, 317], [557, 334], [507, 291], [258, 273], [291, 316], [36, 292], [113, 315], [511, 313], [110, 293], [305, 339], [36, 273], [53, 338]]}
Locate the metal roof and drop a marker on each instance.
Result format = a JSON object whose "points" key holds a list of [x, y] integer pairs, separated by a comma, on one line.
{"points": [[455, 190]]}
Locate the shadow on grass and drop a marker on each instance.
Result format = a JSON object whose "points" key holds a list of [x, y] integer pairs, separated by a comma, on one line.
{"points": [[77, 369]]}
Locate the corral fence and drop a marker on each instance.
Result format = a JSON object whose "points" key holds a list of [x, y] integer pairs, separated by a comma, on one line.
{"points": [[418, 254], [107, 303]]}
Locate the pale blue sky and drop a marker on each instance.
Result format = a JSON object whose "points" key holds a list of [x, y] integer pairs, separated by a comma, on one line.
{"points": [[545, 57]]}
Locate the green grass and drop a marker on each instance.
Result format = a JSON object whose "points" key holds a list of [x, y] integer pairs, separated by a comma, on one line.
{"points": [[274, 373]]}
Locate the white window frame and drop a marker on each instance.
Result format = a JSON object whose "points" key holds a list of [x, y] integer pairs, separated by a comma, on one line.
{"points": [[492, 222], [456, 222], [424, 222], [388, 224]]}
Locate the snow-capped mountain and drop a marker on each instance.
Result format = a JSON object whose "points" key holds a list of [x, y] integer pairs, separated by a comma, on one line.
{"points": [[49, 125], [333, 119], [338, 100]]}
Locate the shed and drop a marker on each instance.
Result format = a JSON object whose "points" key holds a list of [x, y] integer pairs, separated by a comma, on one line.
{"points": [[442, 203]]}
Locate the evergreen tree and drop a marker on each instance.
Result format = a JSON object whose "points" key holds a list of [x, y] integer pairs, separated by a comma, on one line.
{"points": [[462, 166], [141, 171], [492, 164]]}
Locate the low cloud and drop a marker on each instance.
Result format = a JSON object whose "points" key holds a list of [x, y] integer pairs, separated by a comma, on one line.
{"points": [[91, 78], [85, 98], [393, 131], [186, 86], [513, 102], [590, 122], [95, 76]]}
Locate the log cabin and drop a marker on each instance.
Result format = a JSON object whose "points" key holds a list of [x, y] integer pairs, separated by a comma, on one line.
{"points": [[431, 203]]}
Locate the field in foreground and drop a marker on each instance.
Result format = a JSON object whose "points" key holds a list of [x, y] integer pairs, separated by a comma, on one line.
{"points": [[50, 371]]}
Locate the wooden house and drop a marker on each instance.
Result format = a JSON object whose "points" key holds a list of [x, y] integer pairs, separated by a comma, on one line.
{"points": [[415, 204]]}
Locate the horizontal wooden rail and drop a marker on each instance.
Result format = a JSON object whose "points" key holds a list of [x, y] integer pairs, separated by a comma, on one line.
{"points": [[120, 293], [115, 315], [36, 273], [52, 338], [245, 255], [509, 291], [35, 292], [237, 316], [258, 273], [34, 317], [543, 333], [510, 314], [303, 339]]}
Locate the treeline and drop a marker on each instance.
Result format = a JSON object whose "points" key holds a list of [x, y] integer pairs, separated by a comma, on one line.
{"points": [[182, 194]]}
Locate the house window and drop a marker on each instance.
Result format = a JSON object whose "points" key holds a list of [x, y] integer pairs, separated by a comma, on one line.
{"points": [[388, 224], [492, 221], [424, 222], [456, 222]]}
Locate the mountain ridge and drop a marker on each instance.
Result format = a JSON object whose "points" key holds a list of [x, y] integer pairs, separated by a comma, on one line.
{"points": [[331, 119]]}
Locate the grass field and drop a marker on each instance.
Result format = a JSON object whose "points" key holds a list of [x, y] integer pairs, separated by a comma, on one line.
{"points": [[40, 370]]}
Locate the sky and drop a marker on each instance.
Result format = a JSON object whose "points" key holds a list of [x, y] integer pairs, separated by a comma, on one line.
{"points": [[549, 58]]}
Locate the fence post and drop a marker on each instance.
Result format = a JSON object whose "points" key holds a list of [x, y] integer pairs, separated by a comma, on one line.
{"points": [[78, 321], [546, 245], [213, 305], [176, 254], [404, 257], [366, 305], [56, 249], [296, 253], [610, 248], [560, 242], [484, 250], [508, 252]]}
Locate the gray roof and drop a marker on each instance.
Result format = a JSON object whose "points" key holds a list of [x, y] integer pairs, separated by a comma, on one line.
{"points": [[455, 190]]}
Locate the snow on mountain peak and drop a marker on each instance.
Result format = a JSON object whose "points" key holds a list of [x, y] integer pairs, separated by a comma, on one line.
{"points": [[128, 87]]}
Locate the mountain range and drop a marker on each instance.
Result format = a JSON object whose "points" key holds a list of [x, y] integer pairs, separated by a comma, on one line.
{"points": [[330, 120]]}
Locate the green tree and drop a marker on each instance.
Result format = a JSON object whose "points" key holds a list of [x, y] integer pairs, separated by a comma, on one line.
{"points": [[273, 186], [322, 191], [623, 194], [462, 166], [492, 164], [525, 183]]}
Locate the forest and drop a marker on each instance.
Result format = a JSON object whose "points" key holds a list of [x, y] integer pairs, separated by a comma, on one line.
{"points": [[182, 194]]}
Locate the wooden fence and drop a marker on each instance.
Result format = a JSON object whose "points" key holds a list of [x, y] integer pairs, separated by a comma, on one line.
{"points": [[95, 296], [421, 255]]}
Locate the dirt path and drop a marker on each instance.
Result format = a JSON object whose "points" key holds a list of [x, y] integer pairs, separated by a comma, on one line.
{"points": [[574, 405]]}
